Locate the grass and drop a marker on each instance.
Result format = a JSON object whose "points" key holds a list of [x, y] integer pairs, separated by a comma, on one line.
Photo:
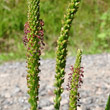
{"points": [[90, 29]]}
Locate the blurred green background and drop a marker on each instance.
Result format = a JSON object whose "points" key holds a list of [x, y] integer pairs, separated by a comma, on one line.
{"points": [[90, 29]]}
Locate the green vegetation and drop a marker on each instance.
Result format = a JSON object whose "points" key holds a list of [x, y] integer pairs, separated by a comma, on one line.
{"points": [[62, 50], [75, 81], [108, 104], [90, 30], [33, 40]]}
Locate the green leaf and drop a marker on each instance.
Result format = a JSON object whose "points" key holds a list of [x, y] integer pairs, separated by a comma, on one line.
{"points": [[108, 104]]}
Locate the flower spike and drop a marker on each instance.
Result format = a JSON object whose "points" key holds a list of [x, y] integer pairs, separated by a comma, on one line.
{"points": [[62, 51], [75, 81], [33, 40]]}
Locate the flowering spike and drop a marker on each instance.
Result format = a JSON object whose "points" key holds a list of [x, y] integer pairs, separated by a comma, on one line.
{"points": [[75, 81], [62, 49], [33, 40]]}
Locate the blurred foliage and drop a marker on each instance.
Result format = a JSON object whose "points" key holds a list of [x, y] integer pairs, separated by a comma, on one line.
{"points": [[104, 33], [90, 29]]}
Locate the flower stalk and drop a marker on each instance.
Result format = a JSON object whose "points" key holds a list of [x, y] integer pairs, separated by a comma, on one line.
{"points": [[62, 51], [33, 40], [75, 81]]}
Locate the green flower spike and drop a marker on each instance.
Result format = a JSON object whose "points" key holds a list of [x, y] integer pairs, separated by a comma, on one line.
{"points": [[75, 80], [62, 51], [33, 40]]}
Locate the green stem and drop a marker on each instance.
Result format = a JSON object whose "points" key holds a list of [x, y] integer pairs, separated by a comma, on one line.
{"points": [[108, 104]]}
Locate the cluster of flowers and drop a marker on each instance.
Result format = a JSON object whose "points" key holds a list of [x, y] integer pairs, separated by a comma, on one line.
{"points": [[26, 31], [75, 80], [40, 34], [78, 74]]}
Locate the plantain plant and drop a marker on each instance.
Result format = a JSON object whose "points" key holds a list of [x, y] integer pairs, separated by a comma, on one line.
{"points": [[75, 80], [33, 40], [62, 51]]}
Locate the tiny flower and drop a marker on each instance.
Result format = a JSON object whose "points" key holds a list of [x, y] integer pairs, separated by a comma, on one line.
{"points": [[41, 32], [38, 36], [41, 22]]}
